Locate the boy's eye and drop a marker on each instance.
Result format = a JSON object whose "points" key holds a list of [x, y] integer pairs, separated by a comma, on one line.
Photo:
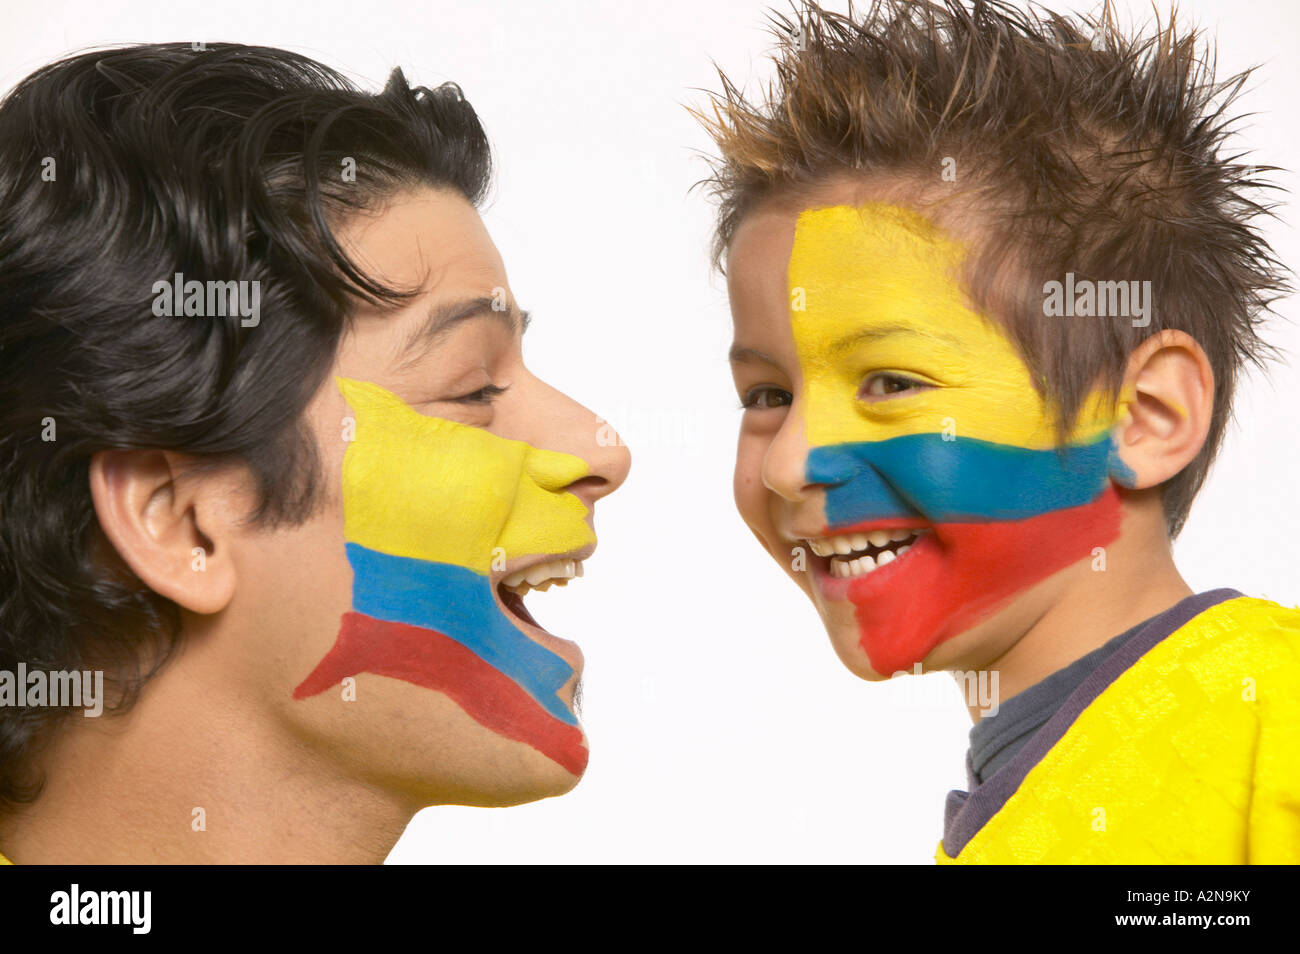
{"points": [[885, 384], [483, 395], [765, 397]]}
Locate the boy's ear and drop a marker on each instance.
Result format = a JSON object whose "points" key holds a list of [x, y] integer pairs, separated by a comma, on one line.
{"points": [[172, 528], [1166, 404]]}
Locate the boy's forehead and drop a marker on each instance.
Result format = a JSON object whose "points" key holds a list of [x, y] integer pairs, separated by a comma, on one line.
{"points": [[759, 250], [764, 236], [848, 261], [876, 264], [852, 259]]}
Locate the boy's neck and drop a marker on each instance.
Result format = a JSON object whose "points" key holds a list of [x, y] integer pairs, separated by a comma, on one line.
{"points": [[1091, 608]]}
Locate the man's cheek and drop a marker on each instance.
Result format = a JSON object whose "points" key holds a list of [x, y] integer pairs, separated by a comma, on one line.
{"points": [[426, 503]]}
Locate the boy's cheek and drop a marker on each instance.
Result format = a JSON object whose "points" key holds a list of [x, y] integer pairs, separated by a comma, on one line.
{"points": [[748, 490], [756, 505]]}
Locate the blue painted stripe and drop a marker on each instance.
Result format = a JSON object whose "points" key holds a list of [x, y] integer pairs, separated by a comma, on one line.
{"points": [[457, 602], [956, 480]]}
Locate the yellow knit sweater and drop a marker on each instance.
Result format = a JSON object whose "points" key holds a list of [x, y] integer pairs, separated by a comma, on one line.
{"points": [[1191, 755]]}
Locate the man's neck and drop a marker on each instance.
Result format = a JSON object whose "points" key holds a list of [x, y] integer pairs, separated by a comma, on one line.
{"points": [[186, 777]]}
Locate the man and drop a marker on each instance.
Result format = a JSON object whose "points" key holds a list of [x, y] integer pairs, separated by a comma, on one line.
{"points": [[273, 464]]}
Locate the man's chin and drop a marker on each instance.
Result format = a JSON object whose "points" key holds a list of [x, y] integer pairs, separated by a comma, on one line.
{"points": [[507, 793], [513, 774]]}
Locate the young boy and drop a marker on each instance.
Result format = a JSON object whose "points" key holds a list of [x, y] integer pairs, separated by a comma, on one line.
{"points": [[993, 286]]}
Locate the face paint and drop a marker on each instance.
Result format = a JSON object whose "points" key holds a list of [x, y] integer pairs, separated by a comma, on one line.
{"points": [[426, 502], [972, 454]]}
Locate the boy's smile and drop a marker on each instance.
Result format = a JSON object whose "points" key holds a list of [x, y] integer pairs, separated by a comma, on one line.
{"points": [[895, 456]]}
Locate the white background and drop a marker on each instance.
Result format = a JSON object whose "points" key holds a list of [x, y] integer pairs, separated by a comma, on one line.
{"points": [[722, 726]]}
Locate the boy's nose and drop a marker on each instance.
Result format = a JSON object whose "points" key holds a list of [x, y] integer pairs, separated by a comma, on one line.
{"points": [[858, 485], [785, 467]]}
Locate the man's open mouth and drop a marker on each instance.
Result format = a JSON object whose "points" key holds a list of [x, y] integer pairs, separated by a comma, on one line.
{"points": [[543, 576], [855, 555]]}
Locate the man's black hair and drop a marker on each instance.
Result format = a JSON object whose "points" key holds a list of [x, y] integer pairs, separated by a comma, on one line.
{"points": [[118, 169]]}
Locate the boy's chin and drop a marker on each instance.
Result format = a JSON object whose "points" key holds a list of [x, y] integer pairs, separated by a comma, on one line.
{"points": [[967, 650], [846, 639], [851, 646]]}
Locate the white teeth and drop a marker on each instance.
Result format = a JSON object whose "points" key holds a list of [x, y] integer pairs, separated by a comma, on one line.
{"points": [[542, 576], [839, 548], [847, 543], [848, 568], [861, 566], [864, 564]]}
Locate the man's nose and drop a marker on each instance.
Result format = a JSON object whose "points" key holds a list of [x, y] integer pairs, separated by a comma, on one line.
{"points": [[575, 430], [608, 460]]}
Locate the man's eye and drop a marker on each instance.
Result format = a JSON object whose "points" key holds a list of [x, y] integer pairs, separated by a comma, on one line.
{"points": [[765, 397], [885, 384], [483, 395]]}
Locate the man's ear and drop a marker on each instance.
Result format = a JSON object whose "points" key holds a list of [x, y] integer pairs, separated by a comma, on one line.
{"points": [[173, 529], [1166, 404]]}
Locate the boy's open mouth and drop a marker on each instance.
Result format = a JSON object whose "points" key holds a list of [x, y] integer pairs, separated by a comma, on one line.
{"points": [[855, 555]]}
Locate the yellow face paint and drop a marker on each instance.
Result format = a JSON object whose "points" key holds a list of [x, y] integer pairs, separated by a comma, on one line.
{"points": [[882, 293], [463, 491]]}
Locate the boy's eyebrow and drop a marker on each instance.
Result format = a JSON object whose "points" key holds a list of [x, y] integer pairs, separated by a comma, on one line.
{"points": [[739, 355], [444, 317], [884, 331]]}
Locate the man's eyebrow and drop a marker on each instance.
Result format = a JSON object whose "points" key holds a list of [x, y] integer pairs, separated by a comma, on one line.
{"points": [[446, 316], [878, 332]]}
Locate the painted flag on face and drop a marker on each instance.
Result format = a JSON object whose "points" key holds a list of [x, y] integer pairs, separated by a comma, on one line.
{"points": [[963, 447], [427, 505]]}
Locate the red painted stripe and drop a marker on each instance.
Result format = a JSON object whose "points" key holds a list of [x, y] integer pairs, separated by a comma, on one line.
{"points": [[966, 572], [425, 657]]}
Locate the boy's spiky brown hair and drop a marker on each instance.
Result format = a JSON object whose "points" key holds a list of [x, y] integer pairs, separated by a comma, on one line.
{"points": [[1080, 149]]}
